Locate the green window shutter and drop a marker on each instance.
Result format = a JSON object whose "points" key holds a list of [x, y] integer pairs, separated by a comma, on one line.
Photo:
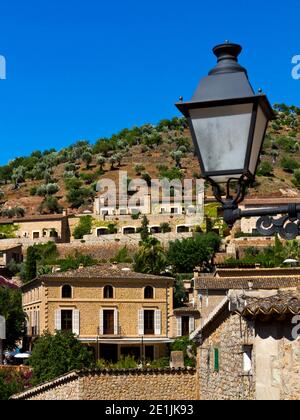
{"points": [[216, 360]]}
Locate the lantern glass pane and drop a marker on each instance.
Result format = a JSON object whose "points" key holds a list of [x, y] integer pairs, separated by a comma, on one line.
{"points": [[222, 135], [260, 129]]}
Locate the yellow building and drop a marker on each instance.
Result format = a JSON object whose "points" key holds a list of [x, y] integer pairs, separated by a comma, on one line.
{"points": [[109, 307]]}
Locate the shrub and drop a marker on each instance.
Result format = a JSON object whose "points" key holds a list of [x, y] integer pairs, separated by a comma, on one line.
{"points": [[165, 228], [296, 180], [50, 205], [55, 355], [265, 169], [139, 169], [289, 164], [84, 227]]}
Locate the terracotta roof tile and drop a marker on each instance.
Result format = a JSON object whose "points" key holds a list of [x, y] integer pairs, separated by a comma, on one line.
{"points": [[260, 282], [284, 302], [103, 271]]}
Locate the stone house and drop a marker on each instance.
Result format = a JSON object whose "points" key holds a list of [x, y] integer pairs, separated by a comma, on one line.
{"points": [[109, 307], [209, 290], [182, 216], [248, 347], [9, 253], [40, 227]]}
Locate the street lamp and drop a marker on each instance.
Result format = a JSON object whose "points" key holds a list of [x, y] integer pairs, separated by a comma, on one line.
{"points": [[228, 123]]}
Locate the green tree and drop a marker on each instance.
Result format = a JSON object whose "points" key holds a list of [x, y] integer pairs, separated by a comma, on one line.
{"points": [[151, 258], [31, 264], [101, 162], [177, 157], [11, 309], [84, 227], [55, 355], [189, 253], [50, 205], [87, 157], [145, 229]]}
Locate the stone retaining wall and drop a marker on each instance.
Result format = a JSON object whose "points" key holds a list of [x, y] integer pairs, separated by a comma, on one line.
{"points": [[135, 384]]}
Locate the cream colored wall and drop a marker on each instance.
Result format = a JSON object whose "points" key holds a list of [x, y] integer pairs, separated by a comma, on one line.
{"points": [[30, 227], [88, 299]]}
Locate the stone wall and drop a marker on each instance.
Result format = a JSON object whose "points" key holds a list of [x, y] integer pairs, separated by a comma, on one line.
{"points": [[154, 384], [229, 381]]}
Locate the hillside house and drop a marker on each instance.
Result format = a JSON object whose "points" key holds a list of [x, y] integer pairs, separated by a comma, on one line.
{"points": [[9, 253], [40, 227]]}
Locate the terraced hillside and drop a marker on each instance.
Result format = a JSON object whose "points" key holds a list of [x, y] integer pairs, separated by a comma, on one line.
{"points": [[48, 181]]}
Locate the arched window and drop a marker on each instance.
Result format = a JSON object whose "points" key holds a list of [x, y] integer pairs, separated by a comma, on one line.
{"points": [[149, 292], [108, 292], [66, 291]]}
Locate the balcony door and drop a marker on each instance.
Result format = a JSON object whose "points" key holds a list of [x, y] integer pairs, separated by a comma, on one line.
{"points": [[108, 322]]}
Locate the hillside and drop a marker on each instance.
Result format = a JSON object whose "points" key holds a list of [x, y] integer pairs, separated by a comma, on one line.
{"points": [[46, 182]]}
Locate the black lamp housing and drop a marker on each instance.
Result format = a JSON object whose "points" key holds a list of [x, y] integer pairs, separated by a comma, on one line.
{"points": [[228, 122]]}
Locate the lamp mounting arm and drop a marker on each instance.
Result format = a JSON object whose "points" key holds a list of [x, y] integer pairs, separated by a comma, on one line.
{"points": [[287, 226]]}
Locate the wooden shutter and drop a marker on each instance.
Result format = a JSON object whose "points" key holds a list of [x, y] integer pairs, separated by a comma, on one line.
{"points": [[116, 322], [157, 322], [141, 322], [58, 320], [216, 360], [192, 324], [101, 325], [76, 322], [179, 326]]}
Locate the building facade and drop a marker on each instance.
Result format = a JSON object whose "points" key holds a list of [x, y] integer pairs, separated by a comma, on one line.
{"points": [[248, 347], [110, 308]]}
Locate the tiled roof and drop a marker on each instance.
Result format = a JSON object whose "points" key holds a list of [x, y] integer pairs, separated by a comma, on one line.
{"points": [[283, 302], [8, 247], [257, 272], [189, 309], [104, 271], [6, 283], [33, 218], [246, 283]]}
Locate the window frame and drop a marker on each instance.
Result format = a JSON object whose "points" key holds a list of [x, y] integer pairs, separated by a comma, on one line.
{"points": [[111, 288], [62, 288], [153, 292]]}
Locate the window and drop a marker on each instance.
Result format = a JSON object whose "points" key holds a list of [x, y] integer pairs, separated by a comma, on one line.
{"points": [[149, 292], [67, 320], [149, 322], [66, 292], [216, 360], [53, 233], [36, 235], [185, 326], [108, 292], [247, 359], [108, 322], [174, 210]]}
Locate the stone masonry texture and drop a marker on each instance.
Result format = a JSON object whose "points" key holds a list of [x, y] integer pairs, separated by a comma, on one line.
{"points": [[152, 384]]}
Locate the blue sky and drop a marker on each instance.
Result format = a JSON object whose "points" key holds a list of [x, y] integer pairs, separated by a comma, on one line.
{"points": [[86, 69]]}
